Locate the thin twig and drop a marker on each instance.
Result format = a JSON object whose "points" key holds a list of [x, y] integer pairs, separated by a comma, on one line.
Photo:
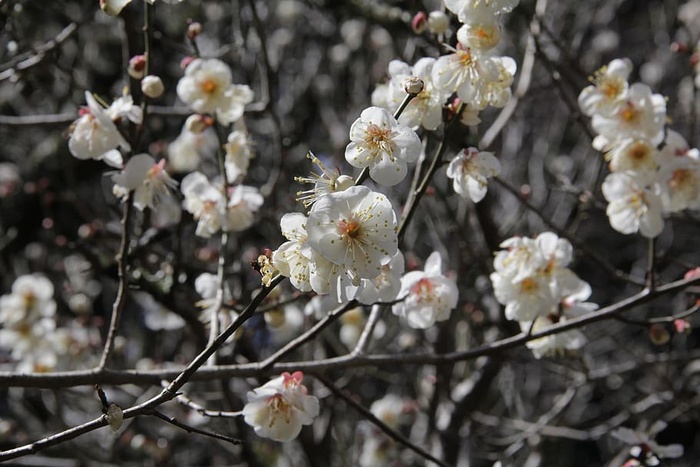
{"points": [[390, 432], [190, 429], [308, 335], [120, 300], [416, 196], [368, 330], [36, 56]]}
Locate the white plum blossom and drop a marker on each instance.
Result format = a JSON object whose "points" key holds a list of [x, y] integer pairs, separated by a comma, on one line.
{"points": [[244, 201], [470, 172], [386, 286], [31, 299], [123, 107], [567, 341], [389, 410], [466, 9], [609, 87], [293, 257], [482, 33], [29, 327], [206, 88], [328, 181], [205, 202], [147, 178], [114, 7], [497, 92], [354, 229], [425, 109], [531, 276], [640, 114], [190, 147], [634, 205], [637, 155], [278, 409], [379, 142], [643, 445], [679, 175], [208, 205], [428, 295], [478, 78], [238, 155], [95, 136]]}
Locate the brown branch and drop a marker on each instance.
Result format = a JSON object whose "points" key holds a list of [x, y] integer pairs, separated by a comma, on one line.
{"points": [[618, 274], [37, 56], [91, 377]]}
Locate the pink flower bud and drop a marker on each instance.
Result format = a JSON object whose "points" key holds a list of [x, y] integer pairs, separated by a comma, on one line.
{"points": [[681, 325], [184, 63], [194, 30], [137, 66], [419, 22]]}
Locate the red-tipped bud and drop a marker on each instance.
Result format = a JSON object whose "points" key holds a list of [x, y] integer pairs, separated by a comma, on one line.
{"points": [[419, 22]]}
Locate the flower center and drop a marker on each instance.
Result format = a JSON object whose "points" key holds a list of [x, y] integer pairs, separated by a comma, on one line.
{"points": [[465, 58], [423, 289], [680, 178], [630, 114], [529, 285], [279, 407], [378, 137], [209, 86], [351, 229]]}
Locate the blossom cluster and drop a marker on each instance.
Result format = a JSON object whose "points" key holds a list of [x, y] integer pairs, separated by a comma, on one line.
{"points": [[29, 328], [533, 281], [645, 182], [470, 70]]}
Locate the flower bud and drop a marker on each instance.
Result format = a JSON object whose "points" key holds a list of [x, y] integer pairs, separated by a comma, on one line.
{"points": [[152, 86], [658, 334], [419, 22], [344, 182], [413, 85], [681, 325], [115, 417], [137, 66], [438, 22], [185, 62], [194, 30]]}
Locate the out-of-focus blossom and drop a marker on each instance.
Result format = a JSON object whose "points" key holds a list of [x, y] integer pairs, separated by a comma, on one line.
{"points": [[95, 136], [147, 178], [207, 88], [238, 155]]}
